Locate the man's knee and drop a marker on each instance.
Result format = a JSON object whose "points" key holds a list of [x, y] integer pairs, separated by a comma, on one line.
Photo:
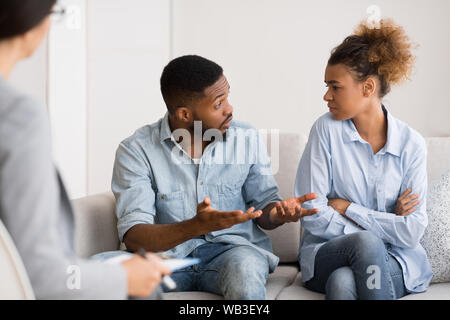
{"points": [[244, 275], [247, 261]]}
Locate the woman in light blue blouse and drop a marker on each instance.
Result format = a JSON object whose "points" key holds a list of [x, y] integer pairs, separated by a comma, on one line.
{"points": [[368, 170]]}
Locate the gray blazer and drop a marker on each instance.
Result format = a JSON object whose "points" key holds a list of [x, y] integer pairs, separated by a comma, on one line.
{"points": [[36, 210]]}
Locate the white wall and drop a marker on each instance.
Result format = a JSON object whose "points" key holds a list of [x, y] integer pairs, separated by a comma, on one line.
{"points": [[128, 46], [274, 54], [105, 58], [67, 95]]}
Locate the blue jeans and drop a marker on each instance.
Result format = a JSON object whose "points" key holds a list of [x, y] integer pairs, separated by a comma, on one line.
{"points": [[233, 271], [357, 266]]}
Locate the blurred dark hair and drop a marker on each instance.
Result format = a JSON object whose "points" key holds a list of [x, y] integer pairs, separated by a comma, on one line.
{"points": [[185, 78], [20, 16]]}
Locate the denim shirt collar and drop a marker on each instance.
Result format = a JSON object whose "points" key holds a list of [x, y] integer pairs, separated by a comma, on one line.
{"points": [[165, 132], [393, 143]]}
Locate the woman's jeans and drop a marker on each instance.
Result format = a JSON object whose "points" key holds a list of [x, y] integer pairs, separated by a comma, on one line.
{"points": [[357, 266]]}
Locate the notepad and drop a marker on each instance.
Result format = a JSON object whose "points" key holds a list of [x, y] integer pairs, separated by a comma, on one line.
{"points": [[177, 264], [173, 264]]}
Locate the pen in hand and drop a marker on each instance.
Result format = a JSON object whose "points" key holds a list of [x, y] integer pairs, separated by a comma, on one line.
{"points": [[167, 280]]}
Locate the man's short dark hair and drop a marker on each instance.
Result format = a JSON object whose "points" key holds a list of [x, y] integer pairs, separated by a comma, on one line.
{"points": [[185, 78]]}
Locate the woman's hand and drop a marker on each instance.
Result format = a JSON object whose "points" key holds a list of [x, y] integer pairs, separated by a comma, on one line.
{"points": [[340, 205], [406, 204], [144, 275]]}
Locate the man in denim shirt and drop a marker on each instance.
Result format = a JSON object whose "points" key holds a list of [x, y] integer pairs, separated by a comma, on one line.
{"points": [[198, 184]]}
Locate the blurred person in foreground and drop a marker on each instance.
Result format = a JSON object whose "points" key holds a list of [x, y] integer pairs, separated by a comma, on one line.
{"points": [[34, 205]]}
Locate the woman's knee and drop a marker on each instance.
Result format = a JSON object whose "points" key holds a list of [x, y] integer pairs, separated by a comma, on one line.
{"points": [[341, 285], [368, 244]]}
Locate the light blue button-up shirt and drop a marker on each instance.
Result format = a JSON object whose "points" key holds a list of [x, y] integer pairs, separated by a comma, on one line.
{"points": [[155, 181], [338, 163]]}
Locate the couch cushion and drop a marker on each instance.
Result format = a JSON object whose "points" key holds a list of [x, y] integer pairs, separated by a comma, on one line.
{"points": [[289, 152], [95, 224], [284, 275], [296, 291], [437, 291], [285, 152], [438, 160], [286, 241], [191, 295], [436, 239]]}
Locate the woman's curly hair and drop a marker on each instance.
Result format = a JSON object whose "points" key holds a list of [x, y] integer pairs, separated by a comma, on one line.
{"points": [[384, 52]]}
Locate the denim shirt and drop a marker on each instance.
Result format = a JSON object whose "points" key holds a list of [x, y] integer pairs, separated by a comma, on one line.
{"points": [[156, 181], [338, 163]]}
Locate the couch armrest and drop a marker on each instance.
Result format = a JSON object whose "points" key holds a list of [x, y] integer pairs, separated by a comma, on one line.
{"points": [[13, 276], [95, 224]]}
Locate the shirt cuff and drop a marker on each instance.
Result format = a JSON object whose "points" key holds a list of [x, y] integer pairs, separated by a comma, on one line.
{"points": [[359, 214], [262, 205], [131, 219]]}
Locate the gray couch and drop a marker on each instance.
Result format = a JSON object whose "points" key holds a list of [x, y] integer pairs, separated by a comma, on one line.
{"points": [[96, 232], [96, 226]]}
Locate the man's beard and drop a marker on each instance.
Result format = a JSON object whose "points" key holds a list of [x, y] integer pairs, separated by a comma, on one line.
{"points": [[206, 128]]}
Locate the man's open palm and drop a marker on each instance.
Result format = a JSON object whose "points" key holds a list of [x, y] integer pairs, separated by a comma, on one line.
{"points": [[210, 219], [290, 209]]}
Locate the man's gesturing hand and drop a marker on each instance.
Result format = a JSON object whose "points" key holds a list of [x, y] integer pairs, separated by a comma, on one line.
{"points": [[290, 209], [208, 219]]}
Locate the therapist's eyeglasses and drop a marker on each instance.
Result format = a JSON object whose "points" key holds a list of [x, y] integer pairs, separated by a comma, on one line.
{"points": [[58, 13]]}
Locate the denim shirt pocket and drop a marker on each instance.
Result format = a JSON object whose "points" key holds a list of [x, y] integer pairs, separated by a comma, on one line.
{"points": [[170, 207], [230, 197]]}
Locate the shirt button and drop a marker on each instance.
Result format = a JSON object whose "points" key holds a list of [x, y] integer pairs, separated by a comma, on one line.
{"points": [[201, 183]]}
